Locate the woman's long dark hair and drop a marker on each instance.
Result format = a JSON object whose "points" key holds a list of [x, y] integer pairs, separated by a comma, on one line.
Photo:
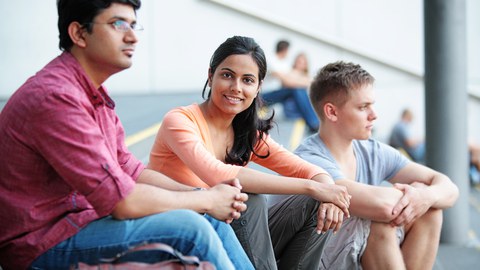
{"points": [[248, 127]]}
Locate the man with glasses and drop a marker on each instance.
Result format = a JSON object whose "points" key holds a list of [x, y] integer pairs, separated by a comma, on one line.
{"points": [[70, 191]]}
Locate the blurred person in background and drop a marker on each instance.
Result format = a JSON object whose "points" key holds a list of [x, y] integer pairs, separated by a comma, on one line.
{"points": [[288, 84], [401, 138]]}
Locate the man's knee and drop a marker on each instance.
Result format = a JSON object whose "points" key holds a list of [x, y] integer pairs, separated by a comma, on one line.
{"points": [[383, 232], [190, 221], [433, 218]]}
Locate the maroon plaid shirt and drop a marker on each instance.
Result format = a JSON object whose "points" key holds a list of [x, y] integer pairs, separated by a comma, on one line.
{"points": [[63, 161]]}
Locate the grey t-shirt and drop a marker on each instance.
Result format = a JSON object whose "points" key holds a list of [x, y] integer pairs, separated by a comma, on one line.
{"points": [[376, 161]]}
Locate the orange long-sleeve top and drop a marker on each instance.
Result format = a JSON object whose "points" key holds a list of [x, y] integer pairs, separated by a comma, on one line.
{"points": [[183, 150]]}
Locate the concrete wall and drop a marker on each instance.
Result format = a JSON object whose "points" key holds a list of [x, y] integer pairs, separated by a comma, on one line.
{"points": [[386, 37], [180, 37]]}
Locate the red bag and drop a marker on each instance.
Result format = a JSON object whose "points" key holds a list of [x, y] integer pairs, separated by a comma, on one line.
{"points": [[180, 262]]}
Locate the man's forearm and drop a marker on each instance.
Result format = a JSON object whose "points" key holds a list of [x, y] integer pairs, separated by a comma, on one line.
{"points": [[145, 199], [372, 202], [442, 191]]}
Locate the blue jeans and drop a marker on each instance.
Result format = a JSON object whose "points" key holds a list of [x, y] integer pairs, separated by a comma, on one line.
{"points": [[417, 153], [185, 230], [299, 95]]}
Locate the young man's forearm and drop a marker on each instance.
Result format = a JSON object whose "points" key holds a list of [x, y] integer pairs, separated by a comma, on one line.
{"points": [[371, 202]]}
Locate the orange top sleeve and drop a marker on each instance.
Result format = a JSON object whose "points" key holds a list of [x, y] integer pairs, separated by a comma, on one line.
{"points": [[183, 151]]}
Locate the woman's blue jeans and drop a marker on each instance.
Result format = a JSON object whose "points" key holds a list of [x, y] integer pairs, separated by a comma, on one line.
{"points": [[185, 230]]}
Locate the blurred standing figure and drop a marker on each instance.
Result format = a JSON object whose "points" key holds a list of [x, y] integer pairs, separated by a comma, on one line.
{"points": [[401, 138], [290, 84]]}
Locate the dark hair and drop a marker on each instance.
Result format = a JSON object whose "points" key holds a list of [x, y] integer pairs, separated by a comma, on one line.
{"points": [[248, 128], [334, 82], [282, 45], [83, 12]]}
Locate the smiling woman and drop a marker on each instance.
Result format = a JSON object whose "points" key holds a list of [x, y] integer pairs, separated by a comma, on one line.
{"points": [[204, 144]]}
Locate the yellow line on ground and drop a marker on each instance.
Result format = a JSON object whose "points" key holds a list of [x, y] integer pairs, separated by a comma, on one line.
{"points": [[471, 234], [473, 237], [475, 203], [297, 133], [142, 135]]}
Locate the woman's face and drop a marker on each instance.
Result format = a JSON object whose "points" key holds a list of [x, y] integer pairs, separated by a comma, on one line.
{"points": [[301, 63], [235, 84]]}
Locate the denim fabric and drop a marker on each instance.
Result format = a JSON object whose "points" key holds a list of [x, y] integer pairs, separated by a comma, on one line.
{"points": [[187, 231], [300, 96]]}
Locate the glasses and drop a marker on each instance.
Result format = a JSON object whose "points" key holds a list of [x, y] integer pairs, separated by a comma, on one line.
{"points": [[123, 26]]}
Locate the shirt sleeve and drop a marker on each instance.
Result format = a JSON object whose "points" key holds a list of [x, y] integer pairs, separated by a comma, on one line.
{"points": [[391, 160], [183, 136], [129, 163], [283, 161], [65, 133]]}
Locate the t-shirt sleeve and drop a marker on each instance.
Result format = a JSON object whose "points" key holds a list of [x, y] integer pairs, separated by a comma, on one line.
{"points": [[184, 136], [391, 160]]}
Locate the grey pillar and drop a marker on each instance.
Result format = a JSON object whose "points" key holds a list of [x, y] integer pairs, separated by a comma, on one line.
{"points": [[446, 106]]}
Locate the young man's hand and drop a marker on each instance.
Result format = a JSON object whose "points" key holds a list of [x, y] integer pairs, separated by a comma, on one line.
{"points": [[411, 206]]}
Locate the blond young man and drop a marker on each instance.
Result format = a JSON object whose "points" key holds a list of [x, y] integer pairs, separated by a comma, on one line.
{"points": [[396, 227]]}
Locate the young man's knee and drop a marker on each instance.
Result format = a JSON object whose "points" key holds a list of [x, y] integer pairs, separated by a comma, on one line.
{"points": [[433, 217], [383, 232]]}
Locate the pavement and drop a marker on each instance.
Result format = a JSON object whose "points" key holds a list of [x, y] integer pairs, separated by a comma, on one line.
{"points": [[141, 116]]}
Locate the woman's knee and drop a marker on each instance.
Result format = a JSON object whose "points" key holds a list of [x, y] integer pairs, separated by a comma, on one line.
{"points": [[256, 202]]}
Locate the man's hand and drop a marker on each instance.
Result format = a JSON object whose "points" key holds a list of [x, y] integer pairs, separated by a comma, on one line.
{"points": [[227, 201], [411, 206], [329, 216]]}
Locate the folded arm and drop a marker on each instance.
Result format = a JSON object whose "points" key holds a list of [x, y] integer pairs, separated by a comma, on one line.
{"points": [[424, 188], [259, 182], [440, 192], [224, 201], [372, 202]]}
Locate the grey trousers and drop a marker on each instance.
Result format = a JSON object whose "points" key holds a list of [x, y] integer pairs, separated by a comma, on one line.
{"points": [[282, 237]]}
